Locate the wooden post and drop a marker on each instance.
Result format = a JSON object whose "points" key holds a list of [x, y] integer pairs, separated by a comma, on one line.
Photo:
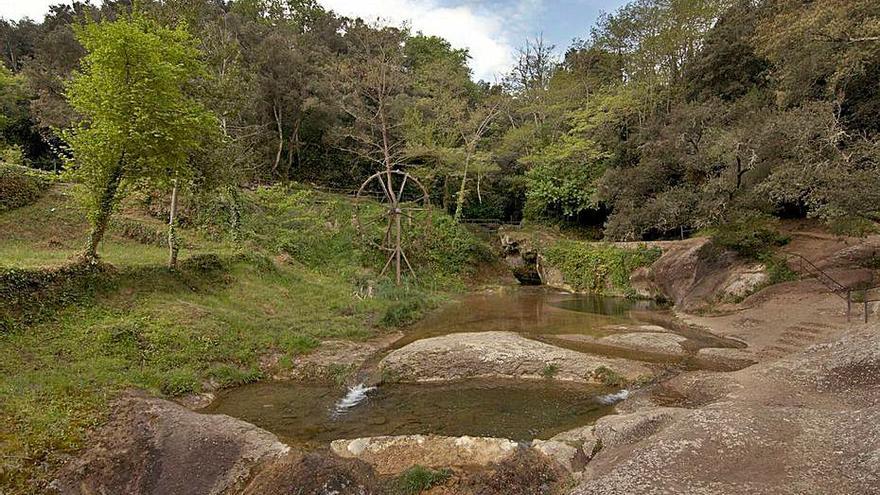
{"points": [[397, 253], [848, 304], [172, 229]]}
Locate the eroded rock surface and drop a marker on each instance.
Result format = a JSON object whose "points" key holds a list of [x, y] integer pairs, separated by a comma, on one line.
{"points": [[808, 423], [499, 354], [157, 447], [691, 276], [663, 343], [719, 356], [395, 454]]}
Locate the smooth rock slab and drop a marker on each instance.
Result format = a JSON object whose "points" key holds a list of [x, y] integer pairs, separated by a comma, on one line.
{"points": [[655, 342], [738, 358], [396, 454], [625, 429], [499, 354]]}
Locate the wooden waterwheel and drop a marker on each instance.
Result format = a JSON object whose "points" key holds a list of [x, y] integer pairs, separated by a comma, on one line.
{"points": [[403, 211]]}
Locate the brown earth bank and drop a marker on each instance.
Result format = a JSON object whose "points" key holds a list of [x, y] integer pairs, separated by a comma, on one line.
{"points": [[804, 417]]}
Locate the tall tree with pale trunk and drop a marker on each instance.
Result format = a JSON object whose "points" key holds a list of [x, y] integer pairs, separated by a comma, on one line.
{"points": [[140, 121]]}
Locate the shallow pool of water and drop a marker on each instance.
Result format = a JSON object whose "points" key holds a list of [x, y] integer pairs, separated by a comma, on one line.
{"points": [[307, 414], [529, 311]]}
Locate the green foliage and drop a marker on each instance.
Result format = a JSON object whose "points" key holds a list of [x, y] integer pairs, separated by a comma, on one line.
{"points": [[778, 270], [417, 479], [609, 377], [140, 121], [227, 375], [403, 312], [550, 371], [179, 381], [752, 236], [13, 155], [20, 186], [562, 178], [852, 226], [599, 268]]}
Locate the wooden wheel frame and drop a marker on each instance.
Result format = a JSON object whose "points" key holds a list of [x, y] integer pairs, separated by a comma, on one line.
{"points": [[402, 197]]}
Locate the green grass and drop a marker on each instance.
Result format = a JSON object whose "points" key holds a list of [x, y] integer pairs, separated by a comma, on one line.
{"points": [[417, 479], [550, 371], [298, 277]]}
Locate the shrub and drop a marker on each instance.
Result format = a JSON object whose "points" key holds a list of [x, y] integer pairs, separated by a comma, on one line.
{"points": [[20, 186], [609, 377], [12, 154], [419, 478], [403, 312], [598, 267], [550, 371], [751, 236], [852, 226]]}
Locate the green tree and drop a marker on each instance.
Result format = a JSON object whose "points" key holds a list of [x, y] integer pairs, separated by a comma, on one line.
{"points": [[140, 119]]}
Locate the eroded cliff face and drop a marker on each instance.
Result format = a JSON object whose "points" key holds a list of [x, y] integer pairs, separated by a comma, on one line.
{"points": [[521, 257], [688, 273]]}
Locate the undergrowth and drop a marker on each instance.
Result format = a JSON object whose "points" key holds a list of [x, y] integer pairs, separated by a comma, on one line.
{"points": [[75, 336], [21, 186], [599, 268], [417, 479]]}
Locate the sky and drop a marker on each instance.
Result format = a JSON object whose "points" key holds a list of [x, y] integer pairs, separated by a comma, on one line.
{"points": [[490, 29]]}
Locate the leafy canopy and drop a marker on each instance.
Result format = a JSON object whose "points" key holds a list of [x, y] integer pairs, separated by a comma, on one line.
{"points": [[134, 93]]}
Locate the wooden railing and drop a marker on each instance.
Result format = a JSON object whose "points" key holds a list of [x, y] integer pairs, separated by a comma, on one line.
{"points": [[844, 291]]}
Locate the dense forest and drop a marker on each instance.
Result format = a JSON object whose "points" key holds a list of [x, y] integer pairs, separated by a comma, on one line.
{"points": [[668, 118]]}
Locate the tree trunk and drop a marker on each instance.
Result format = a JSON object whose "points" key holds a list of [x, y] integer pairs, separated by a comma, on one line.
{"points": [[173, 245], [105, 209], [461, 192], [277, 112], [446, 196]]}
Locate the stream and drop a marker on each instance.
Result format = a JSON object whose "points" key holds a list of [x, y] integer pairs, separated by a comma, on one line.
{"points": [[311, 415]]}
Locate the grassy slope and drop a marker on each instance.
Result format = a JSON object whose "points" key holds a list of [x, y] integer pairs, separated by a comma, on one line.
{"points": [[289, 284]]}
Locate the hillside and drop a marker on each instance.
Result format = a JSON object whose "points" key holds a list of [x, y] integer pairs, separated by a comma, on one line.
{"points": [[74, 337]]}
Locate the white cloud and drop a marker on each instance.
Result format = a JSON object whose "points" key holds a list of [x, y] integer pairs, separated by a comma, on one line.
{"points": [[491, 30], [487, 34], [16, 10]]}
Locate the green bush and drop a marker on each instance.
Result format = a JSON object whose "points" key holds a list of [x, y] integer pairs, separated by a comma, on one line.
{"points": [[751, 236], [404, 310], [419, 478], [852, 226], [20, 186], [778, 270], [598, 267]]}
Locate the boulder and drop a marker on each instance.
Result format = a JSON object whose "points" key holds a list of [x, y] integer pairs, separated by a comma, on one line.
{"points": [[156, 447], [692, 274], [499, 354], [395, 454], [726, 357]]}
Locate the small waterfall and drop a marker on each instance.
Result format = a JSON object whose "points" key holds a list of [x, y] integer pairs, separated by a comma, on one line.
{"points": [[355, 396], [611, 399]]}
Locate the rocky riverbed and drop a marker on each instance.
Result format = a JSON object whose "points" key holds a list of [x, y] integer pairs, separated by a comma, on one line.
{"points": [[792, 408]]}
